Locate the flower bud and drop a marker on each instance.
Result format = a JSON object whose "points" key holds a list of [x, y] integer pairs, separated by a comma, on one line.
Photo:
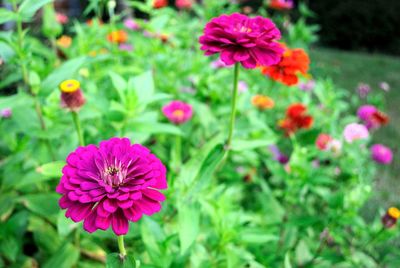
{"points": [[72, 97]]}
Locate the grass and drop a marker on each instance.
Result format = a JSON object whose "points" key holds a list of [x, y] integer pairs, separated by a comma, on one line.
{"points": [[347, 69]]}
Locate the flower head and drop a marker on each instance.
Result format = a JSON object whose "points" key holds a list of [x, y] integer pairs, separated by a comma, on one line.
{"points": [[131, 24], [384, 86], [307, 86], [6, 113], [363, 90], [118, 37], [64, 41], [238, 38], [323, 141], [381, 154], [278, 155], [178, 112], [160, 3], [281, 4], [111, 184], [354, 132], [71, 95], [296, 118], [294, 62], [242, 86], [372, 117], [390, 218], [184, 4], [262, 102], [61, 18], [125, 47]]}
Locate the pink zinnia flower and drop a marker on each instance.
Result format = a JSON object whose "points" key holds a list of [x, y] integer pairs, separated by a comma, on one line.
{"points": [[111, 184], [131, 24], [61, 18], [381, 154], [323, 141], [250, 41], [6, 113], [184, 4], [178, 112], [363, 90], [354, 132], [281, 4]]}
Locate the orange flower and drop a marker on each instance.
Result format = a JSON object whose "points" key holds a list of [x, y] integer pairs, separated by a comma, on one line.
{"points": [[262, 102], [296, 118], [119, 37], [294, 62], [64, 41]]}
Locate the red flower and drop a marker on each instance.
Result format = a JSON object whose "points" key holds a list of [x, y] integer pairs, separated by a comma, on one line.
{"points": [[293, 62], [323, 141], [160, 3], [296, 118]]}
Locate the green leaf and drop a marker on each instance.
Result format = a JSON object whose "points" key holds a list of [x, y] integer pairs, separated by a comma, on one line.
{"points": [[45, 205], [210, 164], [66, 71], [240, 145], [52, 169], [7, 15], [188, 222], [64, 224], [114, 261], [9, 247], [191, 169], [28, 8], [7, 202], [155, 128], [119, 84], [143, 85], [287, 263], [303, 254], [67, 256], [257, 236]]}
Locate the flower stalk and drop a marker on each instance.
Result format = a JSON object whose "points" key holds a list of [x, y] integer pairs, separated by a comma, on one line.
{"points": [[233, 106], [121, 246], [77, 123]]}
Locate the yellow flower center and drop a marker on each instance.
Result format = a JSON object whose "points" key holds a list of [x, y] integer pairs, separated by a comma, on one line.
{"points": [[178, 113], [69, 86], [394, 212]]}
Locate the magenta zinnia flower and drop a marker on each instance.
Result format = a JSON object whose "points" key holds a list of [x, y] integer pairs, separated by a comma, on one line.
{"points": [[250, 41], [178, 112], [381, 154], [111, 184]]}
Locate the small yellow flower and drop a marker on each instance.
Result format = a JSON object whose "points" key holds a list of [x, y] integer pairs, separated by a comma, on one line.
{"points": [[394, 212], [69, 86]]}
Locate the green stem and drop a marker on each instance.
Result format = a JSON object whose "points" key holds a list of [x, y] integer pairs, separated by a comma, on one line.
{"points": [[121, 246], [38, 109], [78, 128], [178, 152], [233, 107]]}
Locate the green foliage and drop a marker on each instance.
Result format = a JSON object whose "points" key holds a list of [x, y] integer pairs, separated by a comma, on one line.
{"points": [[225, 207]]}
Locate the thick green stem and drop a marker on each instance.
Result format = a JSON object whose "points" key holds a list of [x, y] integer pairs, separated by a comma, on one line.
{"points": [[78, 128], [233, 106], [121, 246]]}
